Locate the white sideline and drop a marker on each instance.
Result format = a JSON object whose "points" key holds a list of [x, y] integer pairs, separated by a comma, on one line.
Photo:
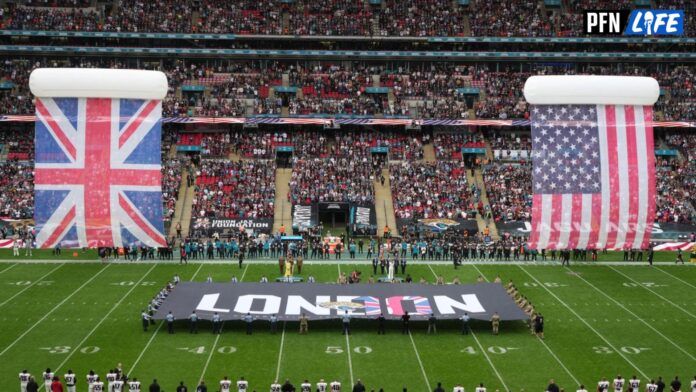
{"points": [[676, 277], [29, 286], [483, 351], [106, 316], [540, 340], [217, 338], [53, 309], [657, 331], [586, 323], [654, 292], [149, 342]]}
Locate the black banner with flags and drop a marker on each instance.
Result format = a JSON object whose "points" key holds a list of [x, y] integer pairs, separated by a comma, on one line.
{"points": [[440, 225], [329, 301]]}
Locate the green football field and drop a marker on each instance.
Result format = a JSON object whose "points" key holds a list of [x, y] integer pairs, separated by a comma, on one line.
{"points": [[601, 320]]}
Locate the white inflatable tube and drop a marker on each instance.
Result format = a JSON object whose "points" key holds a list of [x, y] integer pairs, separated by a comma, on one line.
{"points": [[591, 89], [98, 83]]}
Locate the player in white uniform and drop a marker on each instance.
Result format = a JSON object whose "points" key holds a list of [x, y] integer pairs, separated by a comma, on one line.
{"points": [[619, 384], [134, 386], [98, 385], [634, 384], [111, 376], [693, 384], [275, 387], [117, 386], [23, 380], [306, 386], [91, 378], [70, 380], [603, 385], [651, 386], [335, 386], [225, 384], [322, 386], [458, 388], [48, 379], [582, 388], [242, 385], [480, 388]]}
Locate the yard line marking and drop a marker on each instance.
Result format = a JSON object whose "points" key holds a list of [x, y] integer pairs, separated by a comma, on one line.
{"points": [[675, 277], [636, 316], [210, 356], [105, 317], [483, 351], [585, 322], [350, 359], [420, 363], [53, 309], [30, 286], [8, 268], [540, 340], [654, 292], [217, 338], [149, 342], [280, 352]]}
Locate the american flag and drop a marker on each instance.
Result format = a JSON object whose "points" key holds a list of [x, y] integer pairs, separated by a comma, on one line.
{"points": [[97, 175], [593, 177]]}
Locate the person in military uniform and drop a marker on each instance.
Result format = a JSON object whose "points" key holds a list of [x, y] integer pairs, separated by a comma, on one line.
{"points": [[304, 324], [495, 322]]}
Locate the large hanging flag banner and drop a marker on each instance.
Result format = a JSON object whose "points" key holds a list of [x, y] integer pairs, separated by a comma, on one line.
{"points": [[97, 175], [593, 161]]}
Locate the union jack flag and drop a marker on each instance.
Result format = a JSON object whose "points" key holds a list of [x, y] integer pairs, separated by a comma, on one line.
{"points": [[372, 306], [422, 305], [97, 175]]}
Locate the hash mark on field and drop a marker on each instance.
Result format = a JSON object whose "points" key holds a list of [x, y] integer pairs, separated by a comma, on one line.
{"points": [[31, 285], [53, 309], [638, 318], [585, 322]]}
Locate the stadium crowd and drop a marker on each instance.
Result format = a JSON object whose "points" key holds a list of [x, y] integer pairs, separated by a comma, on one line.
{"points": [[234, 190], [238, 88]]}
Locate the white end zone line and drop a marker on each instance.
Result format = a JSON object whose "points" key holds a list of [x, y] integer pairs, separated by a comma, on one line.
{"points": [[8, 268], [217, 338], [483, 351], [106, 316], [553, 354], [676, 277], [149, 342], [29, 286], [653, 291], [657, 331], [586, 323], [53, 309]]}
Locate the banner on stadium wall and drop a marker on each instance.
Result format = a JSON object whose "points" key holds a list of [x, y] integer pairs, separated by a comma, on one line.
{"points": [[333, 206], [206, 226], [363, 220], [305, 216], [512, 155], [330, 301], [440, 225]]}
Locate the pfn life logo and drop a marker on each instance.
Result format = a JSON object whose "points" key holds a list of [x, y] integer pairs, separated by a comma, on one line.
{"points": [[640, 22]]}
